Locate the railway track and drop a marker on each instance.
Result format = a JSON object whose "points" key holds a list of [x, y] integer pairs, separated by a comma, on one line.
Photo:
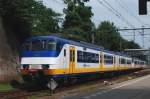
{"points": [[76, 88], [19, 94]]}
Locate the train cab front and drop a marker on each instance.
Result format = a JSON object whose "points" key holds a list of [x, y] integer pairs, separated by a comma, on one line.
{"points": [[38, 56]]}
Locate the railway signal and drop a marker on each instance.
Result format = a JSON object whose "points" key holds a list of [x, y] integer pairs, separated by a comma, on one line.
{"points": [[143, 7], [52, 84]]}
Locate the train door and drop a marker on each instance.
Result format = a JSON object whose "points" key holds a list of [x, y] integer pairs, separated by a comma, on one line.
{"points": [[72, 59], [101, 60], [119, 62], [116, 61]]}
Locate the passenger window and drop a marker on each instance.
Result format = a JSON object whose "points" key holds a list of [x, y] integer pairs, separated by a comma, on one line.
{"points": [[108, 59], [64, 52], [87, 57], [80, 56]]}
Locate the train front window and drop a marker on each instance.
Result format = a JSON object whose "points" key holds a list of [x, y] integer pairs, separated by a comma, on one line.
{"points": [[51, 45], [38, 45], [26, 46]]}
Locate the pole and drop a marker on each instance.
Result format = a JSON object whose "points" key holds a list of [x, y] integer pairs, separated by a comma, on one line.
{"points": [[134, 35], [93, 38], [120, 45], [143, 35]]}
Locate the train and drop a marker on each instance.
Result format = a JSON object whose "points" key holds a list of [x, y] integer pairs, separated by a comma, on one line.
{"points": [[62, 59]]}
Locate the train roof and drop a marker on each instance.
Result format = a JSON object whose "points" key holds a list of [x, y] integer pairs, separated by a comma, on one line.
{"points": [[77, 43]]}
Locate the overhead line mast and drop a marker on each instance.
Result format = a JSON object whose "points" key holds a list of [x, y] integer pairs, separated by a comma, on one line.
{"points": [[142, 34]]}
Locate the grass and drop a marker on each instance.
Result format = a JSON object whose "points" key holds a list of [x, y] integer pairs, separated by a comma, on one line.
{"points": [[32, 97], [39, 95], [5, 87]]}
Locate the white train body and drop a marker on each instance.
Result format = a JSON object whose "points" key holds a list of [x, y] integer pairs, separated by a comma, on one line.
{"points": [[72, 58]]}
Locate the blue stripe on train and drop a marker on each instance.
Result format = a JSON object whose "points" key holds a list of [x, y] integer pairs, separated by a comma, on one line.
{"points": [[87, 73], [70, 75], [40, 53]]}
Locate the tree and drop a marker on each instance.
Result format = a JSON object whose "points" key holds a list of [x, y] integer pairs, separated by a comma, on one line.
{"points": [[43, 20], [22, 19], [108, 37], [28, 17], [78, 19]]}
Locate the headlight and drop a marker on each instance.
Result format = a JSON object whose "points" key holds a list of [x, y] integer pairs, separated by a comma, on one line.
{"points": [[45, 66], [25, 66]]}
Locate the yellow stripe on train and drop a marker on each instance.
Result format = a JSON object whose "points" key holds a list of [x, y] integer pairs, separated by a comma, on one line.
{"points": [[78, 70]]}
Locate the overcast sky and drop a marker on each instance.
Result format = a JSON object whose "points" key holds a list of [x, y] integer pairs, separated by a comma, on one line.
{"points": [[124, 13]]}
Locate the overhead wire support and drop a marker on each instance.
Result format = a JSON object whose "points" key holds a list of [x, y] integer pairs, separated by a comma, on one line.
{"points": [[134, 35], [142, 33], [145, 28], [143, 36]]}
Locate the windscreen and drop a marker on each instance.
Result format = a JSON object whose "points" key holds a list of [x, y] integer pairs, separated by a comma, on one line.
{"points": [[39, 45]]}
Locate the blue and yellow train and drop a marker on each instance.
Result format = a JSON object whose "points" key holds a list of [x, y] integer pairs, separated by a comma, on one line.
{"points": [[60, 58]]}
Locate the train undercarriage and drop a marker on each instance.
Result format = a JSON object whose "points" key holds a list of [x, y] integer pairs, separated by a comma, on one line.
{"points": [[53, 81]]}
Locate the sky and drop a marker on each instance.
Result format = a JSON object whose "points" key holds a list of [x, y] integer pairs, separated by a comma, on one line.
{"points": [[123, 13]]}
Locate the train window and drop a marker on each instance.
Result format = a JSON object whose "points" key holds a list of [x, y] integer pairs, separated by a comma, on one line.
{"points": [[136, 62], [108, 59], [51, 45], [91, 58], [26, 46], [142, 63], [59, 46], [79, 56], [129, 62], [96, 58], [64, 52], [87, 57], [37, 45], [123, 61]]}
